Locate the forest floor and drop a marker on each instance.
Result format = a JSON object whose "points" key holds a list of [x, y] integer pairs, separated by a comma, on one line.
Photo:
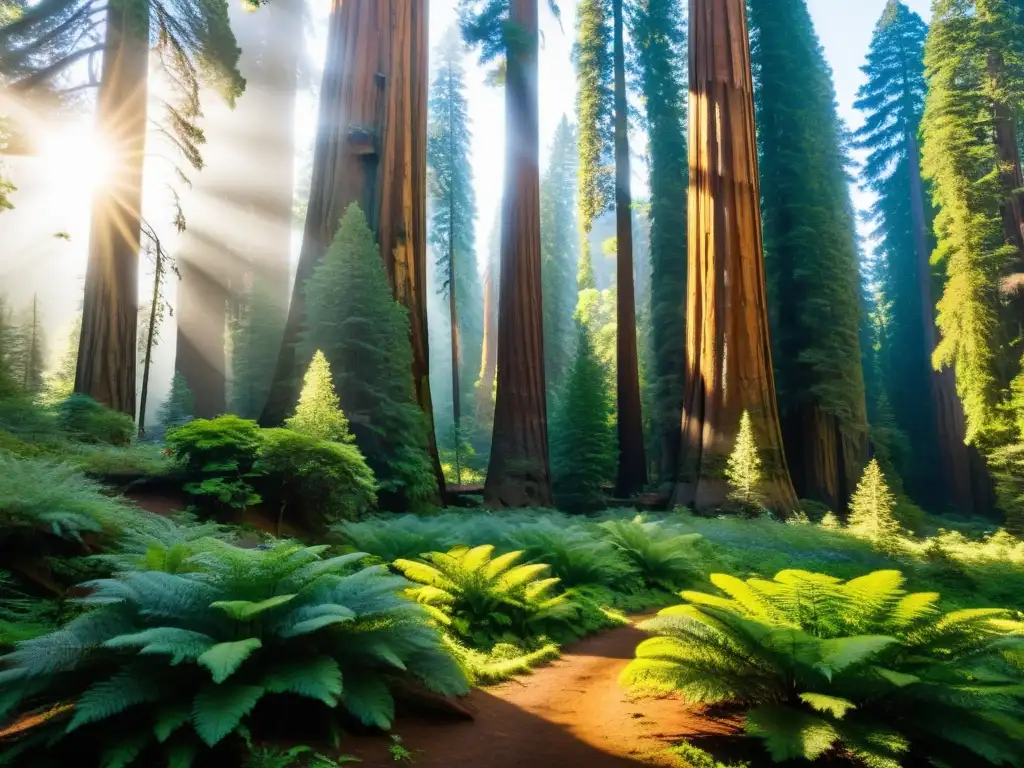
{"points": [[571, 713]]}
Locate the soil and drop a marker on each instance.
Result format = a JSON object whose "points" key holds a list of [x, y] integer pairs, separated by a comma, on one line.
{"points": [[570, 714]]}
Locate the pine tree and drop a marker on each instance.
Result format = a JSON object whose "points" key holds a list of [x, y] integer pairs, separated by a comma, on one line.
{"points": [[195, 46], [743, 470], [595, 109], [179, 407], [871, 508], [28, 348], [453, 224], [893, 102], [559, 244], [518, 473], [255, 337], [814, 291], [319, 413], [364, 334], [960, 159], [8, 385], [582, 438], [659, 38]]}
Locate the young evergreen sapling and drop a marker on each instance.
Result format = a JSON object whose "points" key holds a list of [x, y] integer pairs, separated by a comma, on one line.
{"points": [[319, 413]]}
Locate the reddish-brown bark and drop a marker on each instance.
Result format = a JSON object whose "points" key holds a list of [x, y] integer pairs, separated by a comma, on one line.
{"points": [[371, 149], [632, 467], [728, 355], [107, 351], [518, 473]]}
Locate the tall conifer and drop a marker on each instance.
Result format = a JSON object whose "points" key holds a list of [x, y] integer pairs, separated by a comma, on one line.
{"points": [[595, 109], [453, 224], [810, 254], [659, 40]]}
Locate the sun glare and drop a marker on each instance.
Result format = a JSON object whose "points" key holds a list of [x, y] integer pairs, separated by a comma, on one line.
{"points": [[78, 156]]}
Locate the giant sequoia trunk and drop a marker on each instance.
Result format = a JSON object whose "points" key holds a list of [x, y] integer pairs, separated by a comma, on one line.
{"points": [[728, 355], [370, 149], [632, 473], [518, 473], [107, 350]]}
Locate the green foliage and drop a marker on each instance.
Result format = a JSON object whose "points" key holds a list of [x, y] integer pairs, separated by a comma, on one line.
{"points": [[41, 498], [60, 383], [662, 554], [113, 464], [582, 440], [318, 414], [976, 322], [859, 666], [256, 332], [502, 662], [559, 245], [892, 101], [398, 536], [743, 470], [179, 407], [217, 456], [696, 757], [657, 28], [871, 508], [85, 420], [22, 616], [364, 333], [321, 481], [814, 293], [485, 599], [576, 555], [181, 660], [23, 348], [595, 109]]}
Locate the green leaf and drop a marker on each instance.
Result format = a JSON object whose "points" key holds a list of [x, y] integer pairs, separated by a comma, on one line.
{"points": [[218, 709], [368, 699], [833, 705], [224, 658], [111, 697], [317, 678], [790, 734], [180, 644], [899, 679], [312, 625], [124, 752], [246, 610], [168, 720]]}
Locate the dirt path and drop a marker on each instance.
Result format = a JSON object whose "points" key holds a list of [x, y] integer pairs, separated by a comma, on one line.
{"points": [[567, 715]]}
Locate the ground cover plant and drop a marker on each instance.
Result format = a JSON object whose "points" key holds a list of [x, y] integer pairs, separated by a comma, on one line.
{"points": [[174, 663], [859, 668]]}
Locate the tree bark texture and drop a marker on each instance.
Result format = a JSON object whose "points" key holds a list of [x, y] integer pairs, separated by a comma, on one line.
{"points": [[728, 354], [107, 350], [632, 466], [344, 164], [518, 474], [825, 460]]}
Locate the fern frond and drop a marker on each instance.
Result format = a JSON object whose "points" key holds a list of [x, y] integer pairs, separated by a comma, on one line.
{"points": [[218, 709]]}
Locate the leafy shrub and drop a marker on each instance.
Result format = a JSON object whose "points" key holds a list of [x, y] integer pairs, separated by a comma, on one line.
{"points": [[859, 667], [111, 463], [502, 662], [218, 457], [575, 555], [86, 421], [662, 555], [44, 498], [323, 481], [168, 665], [23, 418], [397, 537], [485, 600], [165, 544]]}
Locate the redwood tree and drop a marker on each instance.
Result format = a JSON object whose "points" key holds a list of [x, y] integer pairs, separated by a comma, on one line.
{"points": [[728, 354], [518, 473], [632, 467], [370, 149]]}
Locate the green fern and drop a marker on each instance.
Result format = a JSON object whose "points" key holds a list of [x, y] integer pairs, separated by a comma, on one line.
{"points": [[486, 599], [576, 555], [185, 657], [857, 667], [662, 554]]}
